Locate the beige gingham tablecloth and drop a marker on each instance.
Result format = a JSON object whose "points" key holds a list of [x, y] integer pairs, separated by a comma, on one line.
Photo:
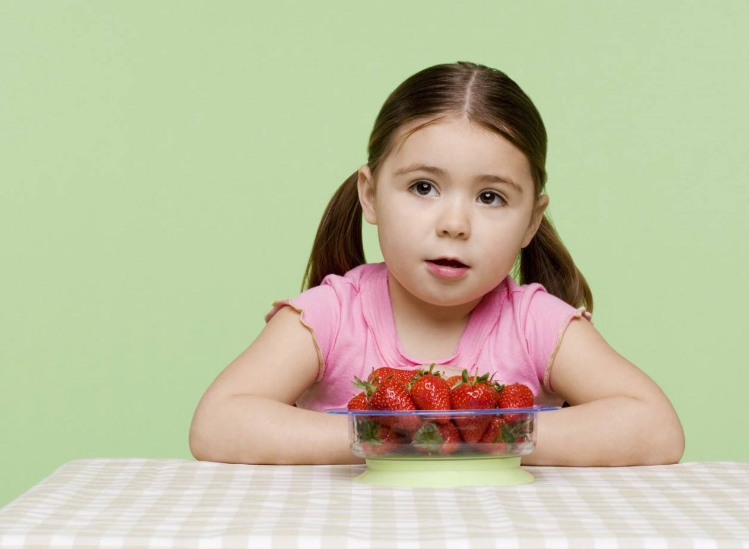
{"points": [[182, 503]]}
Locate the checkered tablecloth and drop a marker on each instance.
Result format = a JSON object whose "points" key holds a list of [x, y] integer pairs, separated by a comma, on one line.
{"points": [[182, 503]]}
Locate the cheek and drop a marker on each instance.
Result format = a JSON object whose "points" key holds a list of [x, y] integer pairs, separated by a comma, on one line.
{"points": [[508, 227], [397, 222], [397, 241], [502, 243], [390, 231]]}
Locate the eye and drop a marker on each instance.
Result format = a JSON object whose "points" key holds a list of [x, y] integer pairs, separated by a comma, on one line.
{"points": [[490, 194], [419, 185], [425, 186]]}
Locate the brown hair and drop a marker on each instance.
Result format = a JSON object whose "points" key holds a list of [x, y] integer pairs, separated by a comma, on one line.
{"points": [[493, 100]]}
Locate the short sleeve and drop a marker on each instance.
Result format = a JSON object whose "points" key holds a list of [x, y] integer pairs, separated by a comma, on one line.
{"points": [[546, 319], [320, 313]]}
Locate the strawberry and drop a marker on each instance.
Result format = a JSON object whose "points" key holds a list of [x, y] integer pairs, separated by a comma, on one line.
{"points": [[478, 393], [501, 436], [452, 380], [359, 402], [516, 395], [433, 438], [386, 371], [392, 395], [430, 392], [375, 438], [493, 430]]}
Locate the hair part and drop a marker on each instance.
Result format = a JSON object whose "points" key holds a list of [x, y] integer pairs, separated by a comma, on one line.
{"points": [[489, 98]]}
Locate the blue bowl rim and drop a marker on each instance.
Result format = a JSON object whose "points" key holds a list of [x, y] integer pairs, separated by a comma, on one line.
{"points": [[487, 411]]}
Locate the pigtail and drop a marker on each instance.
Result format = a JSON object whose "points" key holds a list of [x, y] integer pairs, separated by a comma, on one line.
{"points": [[338, 245], [547, 261]]}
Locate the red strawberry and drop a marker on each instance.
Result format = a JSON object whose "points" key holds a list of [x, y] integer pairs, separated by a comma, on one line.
{"points": [[452, 380], [433, 438], [516, 395], [501, 436], [498, 448], [431, 392], [359, 402], [393, 395], [478, 393], [493, 430], [384, 372], [375, 438]]}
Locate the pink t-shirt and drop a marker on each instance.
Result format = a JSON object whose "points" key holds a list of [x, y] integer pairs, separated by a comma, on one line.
{"points": [[514, 331]]}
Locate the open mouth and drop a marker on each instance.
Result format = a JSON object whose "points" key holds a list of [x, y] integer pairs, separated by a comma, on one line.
{"points": [[448, 263]]}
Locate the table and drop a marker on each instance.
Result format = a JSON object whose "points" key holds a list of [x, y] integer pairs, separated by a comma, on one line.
{"points": [[184, 503]]}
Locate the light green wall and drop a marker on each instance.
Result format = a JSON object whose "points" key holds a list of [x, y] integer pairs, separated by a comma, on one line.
{"points": [[164, 166]]}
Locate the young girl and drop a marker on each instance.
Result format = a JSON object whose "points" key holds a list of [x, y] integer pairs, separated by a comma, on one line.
{"points": [[454, 184]]}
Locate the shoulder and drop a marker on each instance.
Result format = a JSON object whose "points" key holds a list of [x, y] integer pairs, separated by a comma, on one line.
{"points": [[325, 308], [333, 294], [348, 288], [534, 304], [355, 279], [543, 319], [523, 295]]}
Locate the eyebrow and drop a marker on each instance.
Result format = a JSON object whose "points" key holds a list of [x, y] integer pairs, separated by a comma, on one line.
{"points": [[488, 178]]}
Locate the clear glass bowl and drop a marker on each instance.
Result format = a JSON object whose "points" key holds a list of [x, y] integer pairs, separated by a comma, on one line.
{"points": [[443, 434]]}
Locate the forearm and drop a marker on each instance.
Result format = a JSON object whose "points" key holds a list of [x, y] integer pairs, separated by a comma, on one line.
{"points": [[612, 431], [256, 430]]}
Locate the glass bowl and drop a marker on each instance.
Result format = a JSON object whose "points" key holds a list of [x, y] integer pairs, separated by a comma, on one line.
{"points": [[443, 447]]}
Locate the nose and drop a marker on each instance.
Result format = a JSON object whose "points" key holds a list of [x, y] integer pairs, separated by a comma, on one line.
{"points": [[453, 221]]}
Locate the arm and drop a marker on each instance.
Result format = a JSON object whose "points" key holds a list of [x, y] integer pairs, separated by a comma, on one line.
{"points": [[280, 434], [247, 413], [618, 415]]}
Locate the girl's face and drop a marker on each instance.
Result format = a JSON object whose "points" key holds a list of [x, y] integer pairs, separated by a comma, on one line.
{"points": [[424, 214]]}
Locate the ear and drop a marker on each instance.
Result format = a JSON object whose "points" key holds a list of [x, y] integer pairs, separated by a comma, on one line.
{"points": [[366, 190], [538, 214]]}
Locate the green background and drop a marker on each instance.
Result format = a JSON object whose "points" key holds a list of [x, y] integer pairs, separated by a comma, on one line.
{"points": [[164, 167]]}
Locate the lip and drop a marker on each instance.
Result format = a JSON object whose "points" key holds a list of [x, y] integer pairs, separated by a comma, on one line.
{"points": [[441, 271], [450, 258]]}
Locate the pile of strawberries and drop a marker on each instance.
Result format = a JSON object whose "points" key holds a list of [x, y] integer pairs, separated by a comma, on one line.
{"points": [[393, 389]]}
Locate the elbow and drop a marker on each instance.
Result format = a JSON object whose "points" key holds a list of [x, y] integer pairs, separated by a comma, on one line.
{"points": [[675, 441], [212, 437], [197, 446], [204, 437], [653, 435], [675, 450], [667, 440], [199, 439], [666, 454], [204, 449]]}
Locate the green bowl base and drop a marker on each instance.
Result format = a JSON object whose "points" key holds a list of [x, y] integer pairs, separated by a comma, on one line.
{"points": [[440, 472]]}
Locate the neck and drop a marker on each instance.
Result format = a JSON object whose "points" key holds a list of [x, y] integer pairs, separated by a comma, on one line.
{"points": [[427, 314]]}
